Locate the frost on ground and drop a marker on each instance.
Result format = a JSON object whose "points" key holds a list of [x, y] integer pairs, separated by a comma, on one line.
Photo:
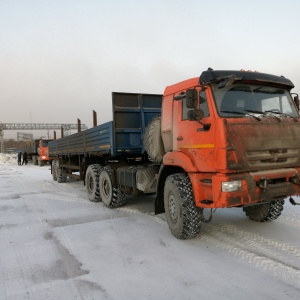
{"points": [[56, 244], [8, 158]]}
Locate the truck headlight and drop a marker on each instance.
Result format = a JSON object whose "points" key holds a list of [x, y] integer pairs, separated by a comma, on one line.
{"points": [[231, 186], [43, 157]]}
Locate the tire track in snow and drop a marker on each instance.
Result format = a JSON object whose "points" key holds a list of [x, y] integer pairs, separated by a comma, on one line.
{"points": [[136, 211], [270, 255], [278, 268], [71, 199], [68, 196], [257, 239], [252, 247], [289, 220]]}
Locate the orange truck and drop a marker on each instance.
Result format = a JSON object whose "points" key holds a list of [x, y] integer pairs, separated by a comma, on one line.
{"points": [[37, 151], [224, 139]]}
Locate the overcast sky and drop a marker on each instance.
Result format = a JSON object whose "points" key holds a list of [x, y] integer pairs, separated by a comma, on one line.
{"points": [[62, 59]]}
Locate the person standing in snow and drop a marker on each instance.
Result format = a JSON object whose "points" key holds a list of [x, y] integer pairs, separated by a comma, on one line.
{"points": [[24, 158], [19, 158]]}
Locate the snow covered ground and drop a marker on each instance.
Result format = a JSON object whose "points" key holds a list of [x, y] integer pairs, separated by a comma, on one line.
{"points": [[55, 244]]}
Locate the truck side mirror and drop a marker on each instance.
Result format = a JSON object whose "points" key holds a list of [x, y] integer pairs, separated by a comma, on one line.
{"points": [[195, 114], [191, 98]]}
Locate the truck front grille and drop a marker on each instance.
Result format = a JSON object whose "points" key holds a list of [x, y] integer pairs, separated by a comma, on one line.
{"points": [[272, 157]]}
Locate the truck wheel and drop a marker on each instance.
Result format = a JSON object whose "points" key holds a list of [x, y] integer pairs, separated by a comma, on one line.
{"points": [[183, 217], [92, 183], [61, 177], [41, 162], [264, 212], [111, 195], [54, 174], [153, 143], [34, 160]]}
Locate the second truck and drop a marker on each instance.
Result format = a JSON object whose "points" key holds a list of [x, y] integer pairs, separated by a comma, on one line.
{"points": [[224, 139], [37, 151]]}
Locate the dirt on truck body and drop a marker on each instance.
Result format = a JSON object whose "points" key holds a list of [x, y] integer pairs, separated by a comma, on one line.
{"points": [[226, 139]]}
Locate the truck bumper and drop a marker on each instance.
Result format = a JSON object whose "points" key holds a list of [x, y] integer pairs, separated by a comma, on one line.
{"points": [[256, 187]]}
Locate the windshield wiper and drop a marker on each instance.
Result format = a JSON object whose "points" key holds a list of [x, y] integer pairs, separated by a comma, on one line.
{"points": [[255, 111], [265, 113], [241, 113], [272, 114], [252, 112], [233, 112], [282, 114]]}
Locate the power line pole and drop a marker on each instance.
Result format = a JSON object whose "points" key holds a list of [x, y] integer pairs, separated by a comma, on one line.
{"points": [[1, 140]]}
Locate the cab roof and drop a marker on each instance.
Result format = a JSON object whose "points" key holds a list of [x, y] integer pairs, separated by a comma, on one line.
{"points": [[211, 76]]}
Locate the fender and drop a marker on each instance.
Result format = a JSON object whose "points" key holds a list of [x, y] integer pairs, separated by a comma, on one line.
{"points": [[180, 159]]}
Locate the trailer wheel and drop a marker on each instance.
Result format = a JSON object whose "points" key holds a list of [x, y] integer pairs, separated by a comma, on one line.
{"points": [[61, 177], [111, 195], [264, 212], [183, 217], [54, 173], [153, 143], [92, 183]]}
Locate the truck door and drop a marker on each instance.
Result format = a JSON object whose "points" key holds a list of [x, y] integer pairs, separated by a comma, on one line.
{"points": [[193, 137]]}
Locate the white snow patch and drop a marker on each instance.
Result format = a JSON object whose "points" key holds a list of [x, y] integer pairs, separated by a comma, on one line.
{"points": [[8, 158]]}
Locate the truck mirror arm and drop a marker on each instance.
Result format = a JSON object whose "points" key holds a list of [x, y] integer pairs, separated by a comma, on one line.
{"points": [[296, 100], [227, 81]]}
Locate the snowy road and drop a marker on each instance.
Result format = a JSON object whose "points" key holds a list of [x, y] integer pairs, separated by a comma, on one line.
{"points": [[55, 244]]}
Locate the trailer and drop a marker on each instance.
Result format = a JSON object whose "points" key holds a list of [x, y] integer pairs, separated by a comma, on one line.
{"points": [[110, 152], [226, 139]]}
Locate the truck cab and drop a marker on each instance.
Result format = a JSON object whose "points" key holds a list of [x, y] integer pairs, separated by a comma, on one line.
{"points": [[236, 135]]}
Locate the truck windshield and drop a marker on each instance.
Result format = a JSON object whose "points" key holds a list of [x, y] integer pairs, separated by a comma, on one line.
{"points": [[44, 143], [241, 100]]}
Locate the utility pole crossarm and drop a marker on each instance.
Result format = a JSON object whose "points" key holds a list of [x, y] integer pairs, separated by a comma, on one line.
{"points": [[38, 126]]}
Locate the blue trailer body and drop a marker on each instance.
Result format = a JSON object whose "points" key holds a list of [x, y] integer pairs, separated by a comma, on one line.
{"points": [[96, 140], [124, 135]]}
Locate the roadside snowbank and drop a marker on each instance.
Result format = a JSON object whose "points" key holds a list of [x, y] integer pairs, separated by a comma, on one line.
{"points": [[8, 158]]}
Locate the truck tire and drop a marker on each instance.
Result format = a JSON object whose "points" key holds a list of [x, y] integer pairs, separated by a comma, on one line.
{"points": [[41, 162], [264, 212], [153, 142], [61, 177], [110, 194], [183, 217], [54, 173], [34, 160], [92, 183]]}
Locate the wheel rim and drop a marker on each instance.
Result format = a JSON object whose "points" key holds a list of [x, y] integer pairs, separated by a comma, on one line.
{"points": [[172, 207], [106, 188], [90, 184]]}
